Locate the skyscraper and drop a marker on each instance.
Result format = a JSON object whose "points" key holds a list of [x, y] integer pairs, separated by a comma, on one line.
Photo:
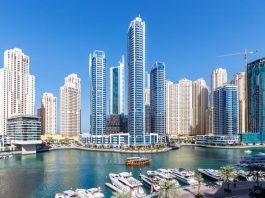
{"points": [[171, 108], [256, 96], [97, 74], [239, 80], [136, 83], [117, 88], [70, 109], [158, 97], [225, 110], [17, 87], [218, 79], [185, 107], [200, 106], [48, 114]]}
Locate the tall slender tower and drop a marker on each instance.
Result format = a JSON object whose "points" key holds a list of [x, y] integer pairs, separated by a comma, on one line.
{"points": [[158, 99], [172, 91], [17, 87], [48, 114], [97, 73], [199, 106], [117, 88], [239, 80], [136, 84], [225, 110], [70, 106], [185, 107]]}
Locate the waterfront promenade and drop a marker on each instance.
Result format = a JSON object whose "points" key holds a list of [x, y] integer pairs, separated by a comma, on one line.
{"points": [[111, 149], [241, 190]]}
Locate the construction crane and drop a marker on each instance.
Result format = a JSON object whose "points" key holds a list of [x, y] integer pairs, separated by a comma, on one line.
{"points": [[245, 53]]}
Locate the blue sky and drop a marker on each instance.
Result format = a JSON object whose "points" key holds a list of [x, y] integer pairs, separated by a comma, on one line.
{"points": [[187, 35]]}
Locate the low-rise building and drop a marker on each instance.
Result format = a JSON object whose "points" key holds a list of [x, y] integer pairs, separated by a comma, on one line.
{"points": [[24, 131], [218, 140]]}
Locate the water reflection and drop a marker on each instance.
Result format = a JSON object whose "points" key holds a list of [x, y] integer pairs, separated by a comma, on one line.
{"points": [[45, 174]]}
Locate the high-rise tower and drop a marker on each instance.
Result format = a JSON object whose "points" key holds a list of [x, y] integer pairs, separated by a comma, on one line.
{"points": [[70, 106], [136, 83], [17, 87], [97, 75], [117, 88], [158, 99]]}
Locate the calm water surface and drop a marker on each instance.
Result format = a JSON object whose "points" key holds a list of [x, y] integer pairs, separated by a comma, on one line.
{"points": [[45, 174]]}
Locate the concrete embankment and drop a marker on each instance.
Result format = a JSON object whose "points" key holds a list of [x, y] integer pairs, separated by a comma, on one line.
{"points": [[113, 150]]}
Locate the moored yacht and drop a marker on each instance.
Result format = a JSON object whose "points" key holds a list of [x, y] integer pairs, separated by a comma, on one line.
{"points": [[211, 173], [126, 183], [89, 193], [255, 159], [66, 194], [183, 175], [151, 181], [166, 175]]}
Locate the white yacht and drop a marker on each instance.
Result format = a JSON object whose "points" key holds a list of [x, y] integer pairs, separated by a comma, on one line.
{"points": [[151, 181], [125, 182], [66, 194], [164, 174], [211, 173], [248, 151], [255, 159], [183, 175], [89, 193]]}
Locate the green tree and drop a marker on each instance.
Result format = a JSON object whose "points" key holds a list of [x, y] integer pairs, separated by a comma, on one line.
{"points": [[120, 195], [168, 189], [199, 179], [227, 174]]}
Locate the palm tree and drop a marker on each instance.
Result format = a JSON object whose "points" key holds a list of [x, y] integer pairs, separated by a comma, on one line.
{"points": [[227, 174], [168, 189], [199, 179], [118, 194]]}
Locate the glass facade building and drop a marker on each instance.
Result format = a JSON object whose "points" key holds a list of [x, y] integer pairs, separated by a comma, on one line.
{"points": [[136, 82], [158, 98], [117, 88], [114, 90], [24, 128], [97, 74], [256, 97], [225, 110]]}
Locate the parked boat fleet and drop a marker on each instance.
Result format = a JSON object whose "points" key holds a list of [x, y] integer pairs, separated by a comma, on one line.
{"points": [[81, 193]]}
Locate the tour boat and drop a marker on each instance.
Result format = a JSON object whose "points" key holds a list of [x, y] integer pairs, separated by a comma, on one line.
{"points": [[89, 193], [211, 173], [183, 175], [126, 183], [137, 161]]}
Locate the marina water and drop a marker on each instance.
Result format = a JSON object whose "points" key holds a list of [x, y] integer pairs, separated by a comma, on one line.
{"points": [[45, 174]]}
